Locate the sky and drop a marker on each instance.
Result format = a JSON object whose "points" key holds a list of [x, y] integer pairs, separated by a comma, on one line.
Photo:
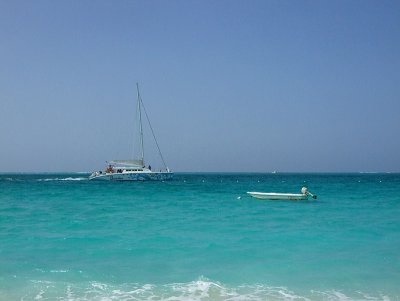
{"points": [[229, 86]]}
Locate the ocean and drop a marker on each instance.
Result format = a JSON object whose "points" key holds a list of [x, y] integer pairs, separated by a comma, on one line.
{"points": [[200, 237]]}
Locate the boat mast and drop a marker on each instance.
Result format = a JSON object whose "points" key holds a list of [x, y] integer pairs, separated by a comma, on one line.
{"points": [[140, 123]]}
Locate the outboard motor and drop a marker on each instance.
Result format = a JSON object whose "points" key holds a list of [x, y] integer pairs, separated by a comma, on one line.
{"points": [[304, 190]]}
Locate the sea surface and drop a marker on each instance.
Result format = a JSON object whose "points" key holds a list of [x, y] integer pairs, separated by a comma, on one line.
{"points": [[199, 237]]}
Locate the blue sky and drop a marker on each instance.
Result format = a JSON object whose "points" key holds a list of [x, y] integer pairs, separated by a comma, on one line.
{"points": [[229, 85]]}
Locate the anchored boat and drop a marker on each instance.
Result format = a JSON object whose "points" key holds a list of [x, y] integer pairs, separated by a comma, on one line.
{"points": [[134, 170], [283, 196]]}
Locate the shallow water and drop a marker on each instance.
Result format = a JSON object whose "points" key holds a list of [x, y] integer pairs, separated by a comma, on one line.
{"points": [[199, 237]]}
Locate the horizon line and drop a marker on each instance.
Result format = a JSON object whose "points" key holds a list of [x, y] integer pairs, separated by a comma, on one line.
{"points": [[215, 172]]}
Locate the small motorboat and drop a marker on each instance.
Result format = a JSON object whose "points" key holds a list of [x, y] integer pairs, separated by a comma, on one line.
{"points": [[283, 196]]}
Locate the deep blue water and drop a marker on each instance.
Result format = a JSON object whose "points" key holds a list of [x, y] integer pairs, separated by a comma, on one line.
{"points": [[199, 237]]}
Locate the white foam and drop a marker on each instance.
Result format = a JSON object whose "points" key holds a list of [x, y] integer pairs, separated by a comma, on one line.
{"points": [[63, 179], [202, 289], [356, 296]]}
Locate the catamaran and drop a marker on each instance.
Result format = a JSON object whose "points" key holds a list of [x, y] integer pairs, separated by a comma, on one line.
{"points": [[134, 170]]}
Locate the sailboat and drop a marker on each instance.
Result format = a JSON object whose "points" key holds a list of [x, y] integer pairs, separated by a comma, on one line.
{"points": [[134, 170]]}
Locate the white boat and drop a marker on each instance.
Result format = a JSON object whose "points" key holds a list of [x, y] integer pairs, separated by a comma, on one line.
{"points": [[283, 196], [134, 170]]}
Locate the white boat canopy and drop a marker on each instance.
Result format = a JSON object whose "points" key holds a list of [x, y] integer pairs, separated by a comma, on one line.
{"points": [[130, 163]]}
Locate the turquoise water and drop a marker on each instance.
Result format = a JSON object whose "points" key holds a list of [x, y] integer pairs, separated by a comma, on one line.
{"points": [[199, 237]]}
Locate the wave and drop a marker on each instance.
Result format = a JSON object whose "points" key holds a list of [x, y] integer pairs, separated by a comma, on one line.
{"points": [[202, 289], [63, 179], [9, 179]]}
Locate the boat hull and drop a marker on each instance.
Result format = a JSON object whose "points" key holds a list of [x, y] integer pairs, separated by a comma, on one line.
{"points": [[278, 196], [132, 176]]}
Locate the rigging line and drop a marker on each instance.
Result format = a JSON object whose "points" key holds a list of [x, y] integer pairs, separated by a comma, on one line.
{"points": [[154, 136]]}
